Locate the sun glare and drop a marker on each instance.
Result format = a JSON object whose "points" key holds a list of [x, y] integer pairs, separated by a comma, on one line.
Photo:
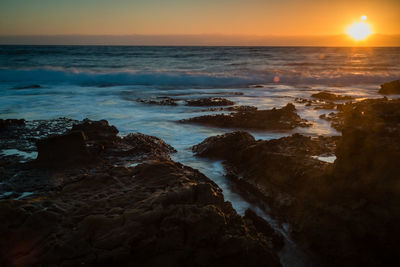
{"points": [[359, 30]]}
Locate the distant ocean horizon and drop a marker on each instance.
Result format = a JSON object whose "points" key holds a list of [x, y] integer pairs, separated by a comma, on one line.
{"points": [[199, 66]]}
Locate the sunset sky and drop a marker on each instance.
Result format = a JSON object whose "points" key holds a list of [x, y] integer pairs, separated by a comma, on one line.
{"points": [[281, 20]]}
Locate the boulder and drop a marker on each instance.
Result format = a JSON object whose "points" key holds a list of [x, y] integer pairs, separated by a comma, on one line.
{"points": [[223, 146], [390, 88], [63, 149], [96, 131]]}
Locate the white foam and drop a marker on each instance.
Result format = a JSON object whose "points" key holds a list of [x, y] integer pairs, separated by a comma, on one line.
{"points": [[329, 159]]}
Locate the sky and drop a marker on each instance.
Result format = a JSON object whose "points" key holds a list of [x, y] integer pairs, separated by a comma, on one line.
{"points": [[191, 21]]}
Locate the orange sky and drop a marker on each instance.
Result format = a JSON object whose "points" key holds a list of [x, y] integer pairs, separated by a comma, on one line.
{"points": [[254, 18]]}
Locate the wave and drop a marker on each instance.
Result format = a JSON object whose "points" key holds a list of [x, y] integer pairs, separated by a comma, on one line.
{"points": [[186, 79]]}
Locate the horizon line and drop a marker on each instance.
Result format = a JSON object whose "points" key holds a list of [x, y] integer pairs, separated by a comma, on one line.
{"points": [[338, 40]]}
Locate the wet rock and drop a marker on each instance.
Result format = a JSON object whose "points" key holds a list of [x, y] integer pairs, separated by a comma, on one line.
{"points": [[234, 108], [274, 119], [327, 105], [63, 149], [330, 96], [5, 124], [167, 101], [145, 144], [265, 228], [97, 131], [159, 213], [346, 202], [223, 146], [390, 88], [210, 101], [241, 108]]}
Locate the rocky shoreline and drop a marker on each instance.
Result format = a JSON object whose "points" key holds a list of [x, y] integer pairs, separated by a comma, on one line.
{"points": [[88, 208], [346, 212], [94, 198]]}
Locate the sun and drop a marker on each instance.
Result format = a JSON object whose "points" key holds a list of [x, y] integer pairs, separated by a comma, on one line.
{"points": [[359, 30]]}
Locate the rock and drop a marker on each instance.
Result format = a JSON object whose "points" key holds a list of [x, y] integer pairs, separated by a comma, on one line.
{"points": [[5, 124], [62, 150], [263, 227], [210, 101], [223, 146], [159, 213], [346, 202], [330, 96], [390, 88], [97, 131], [241, 108], [167, 101], [146, 145], [274, 119]]}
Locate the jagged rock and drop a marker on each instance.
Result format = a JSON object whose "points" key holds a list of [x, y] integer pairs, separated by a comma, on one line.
{"points": [[347, 202], [390, 88], [210, 101], [263, 226], [274, 119], [167, 101], [330, 96], [5, 124], [223, 146], [62, 150], [98, 131], [159, 213]]}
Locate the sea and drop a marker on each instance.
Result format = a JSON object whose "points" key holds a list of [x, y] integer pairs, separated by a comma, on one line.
{"points": [[106, 82]]}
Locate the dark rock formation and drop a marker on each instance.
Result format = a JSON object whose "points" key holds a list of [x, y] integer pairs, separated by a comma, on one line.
{"points": [[209, 101], [97, 131], [63, 149], [241, 108], [274, 119], [263, 227], [223, 146], [330, 96], [5, 124], [390, 88], [167, 101], [158, 213], [346, 213]]}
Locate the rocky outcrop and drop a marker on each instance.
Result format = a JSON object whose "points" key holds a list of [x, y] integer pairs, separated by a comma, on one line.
{"points": [[209, 101], [353, 202], [223, 146], [63, 149], [330, 96], [274, 119], [5, 124], [390, 88], [164, 101], [105, 213]]}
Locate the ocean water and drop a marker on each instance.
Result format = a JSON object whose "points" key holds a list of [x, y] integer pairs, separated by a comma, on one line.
{"points": [[104, 82]]}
